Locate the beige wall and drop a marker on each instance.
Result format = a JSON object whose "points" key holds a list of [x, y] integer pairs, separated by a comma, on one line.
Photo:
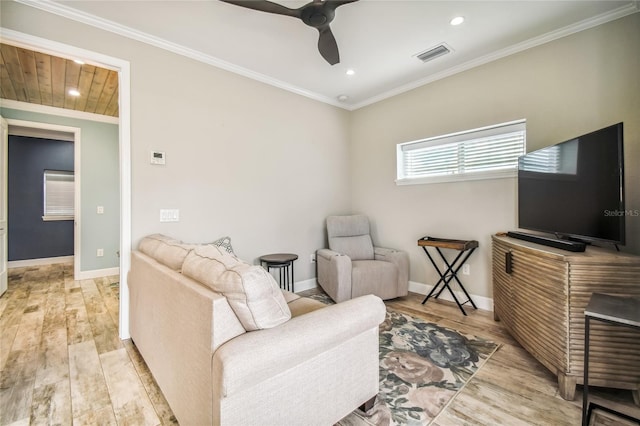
{"points": [[244, 159], [563, 89]]}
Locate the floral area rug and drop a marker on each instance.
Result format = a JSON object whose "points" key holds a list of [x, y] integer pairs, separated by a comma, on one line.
{"points": [[422, 368]]}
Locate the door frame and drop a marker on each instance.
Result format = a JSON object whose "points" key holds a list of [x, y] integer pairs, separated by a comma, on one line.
{"points": [[4, 211], [77, 219], [124, 128]]}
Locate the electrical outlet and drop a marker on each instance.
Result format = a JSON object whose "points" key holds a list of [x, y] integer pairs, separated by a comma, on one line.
{"points": [[100, 252], [466, 269], [312, 258]]}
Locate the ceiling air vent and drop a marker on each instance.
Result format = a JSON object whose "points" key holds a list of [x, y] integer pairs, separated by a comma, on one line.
{"points": [[433, 53]]}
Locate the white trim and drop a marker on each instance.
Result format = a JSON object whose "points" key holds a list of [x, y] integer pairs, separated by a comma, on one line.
{"points": [[122, 30], [133, 34], [481, 132], [305, 285], [38, 262], [124, 81], [481, 302], [62, 112], [56, 218], [497, 174], [77, 160], [98, 273], [41, 133], [586, 24], [124, 90]]}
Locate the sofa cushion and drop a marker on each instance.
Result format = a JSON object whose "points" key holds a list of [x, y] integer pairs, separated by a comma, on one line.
{"points": [[301, 305], [166, 250], [251, 291]]}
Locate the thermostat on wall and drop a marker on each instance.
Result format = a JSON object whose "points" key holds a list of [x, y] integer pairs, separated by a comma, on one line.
{"points": [[157, 157]]}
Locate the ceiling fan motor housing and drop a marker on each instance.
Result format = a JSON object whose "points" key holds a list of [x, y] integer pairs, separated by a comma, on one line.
{"points": [[316, 15]]}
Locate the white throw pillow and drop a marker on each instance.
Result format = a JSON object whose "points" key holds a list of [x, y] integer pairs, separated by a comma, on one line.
{"points": [[252, 292]]}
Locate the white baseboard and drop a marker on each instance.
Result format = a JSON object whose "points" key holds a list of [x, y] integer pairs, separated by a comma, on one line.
{"points": [[39, 262], [481, 302], [97, 273], [305, 285]]}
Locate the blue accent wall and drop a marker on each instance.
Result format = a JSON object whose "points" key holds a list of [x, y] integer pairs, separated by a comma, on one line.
{"points": [[29, 236]]}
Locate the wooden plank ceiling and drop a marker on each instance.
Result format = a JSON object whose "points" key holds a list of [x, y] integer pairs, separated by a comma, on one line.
{"points": [[38, 78]]}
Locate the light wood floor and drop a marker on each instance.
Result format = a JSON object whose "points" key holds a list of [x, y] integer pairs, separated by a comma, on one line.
{"points": [[61, 362]]}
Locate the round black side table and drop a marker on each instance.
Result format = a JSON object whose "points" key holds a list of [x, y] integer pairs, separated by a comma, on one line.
{"points": [[282, 262]]}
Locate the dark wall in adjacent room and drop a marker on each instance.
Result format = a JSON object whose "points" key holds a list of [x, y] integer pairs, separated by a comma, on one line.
{"points": [[29, 236]]}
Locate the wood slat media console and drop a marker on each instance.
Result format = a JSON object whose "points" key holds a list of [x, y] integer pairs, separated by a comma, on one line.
{"points": [[542, 301]]}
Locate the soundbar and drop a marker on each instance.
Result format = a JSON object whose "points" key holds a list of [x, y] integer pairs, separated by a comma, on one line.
{"points": [[574, 246]]}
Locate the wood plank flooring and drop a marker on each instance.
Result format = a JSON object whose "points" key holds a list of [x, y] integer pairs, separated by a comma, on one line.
{"points": [[512, 388], [61, 362]]}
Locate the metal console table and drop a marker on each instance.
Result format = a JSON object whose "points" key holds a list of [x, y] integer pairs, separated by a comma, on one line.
{"points": [[624, 311], [466, 248]]}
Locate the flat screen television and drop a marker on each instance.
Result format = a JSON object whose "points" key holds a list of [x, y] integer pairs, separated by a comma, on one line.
{"points": [[575, 189]]}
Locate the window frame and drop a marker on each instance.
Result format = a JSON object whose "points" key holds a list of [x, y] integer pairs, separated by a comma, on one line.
{"points": [[459, 138], [47, 176]]}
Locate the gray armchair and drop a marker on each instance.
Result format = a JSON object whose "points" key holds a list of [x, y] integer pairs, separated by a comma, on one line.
{"points": [[353, 267]]}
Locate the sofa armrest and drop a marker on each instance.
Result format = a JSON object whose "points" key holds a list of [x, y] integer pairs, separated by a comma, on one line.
{"points": [[253, 357], [334, 274], [401, 260]]}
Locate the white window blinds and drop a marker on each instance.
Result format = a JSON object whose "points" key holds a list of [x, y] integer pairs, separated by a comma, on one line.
{"points": [[58, 195], [486, 153]]}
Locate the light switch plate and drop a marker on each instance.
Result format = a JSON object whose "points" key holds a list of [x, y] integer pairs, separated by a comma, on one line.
{"points": [[169, 215]]}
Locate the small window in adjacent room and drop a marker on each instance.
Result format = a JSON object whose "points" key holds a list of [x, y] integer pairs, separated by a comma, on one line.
{"points": [[486, 153], [58, 195]]}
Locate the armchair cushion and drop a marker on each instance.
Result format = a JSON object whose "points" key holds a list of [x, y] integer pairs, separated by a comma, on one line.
{"points": [[252, 292], [349, 235], [374, 277]]}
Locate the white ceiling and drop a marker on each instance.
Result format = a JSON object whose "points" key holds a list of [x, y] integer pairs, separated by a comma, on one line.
{"points": [[377, 38]]}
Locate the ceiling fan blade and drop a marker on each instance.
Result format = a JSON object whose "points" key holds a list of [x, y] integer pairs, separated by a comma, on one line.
{"points": [[332, 4], [328, 46], [265, 6]]}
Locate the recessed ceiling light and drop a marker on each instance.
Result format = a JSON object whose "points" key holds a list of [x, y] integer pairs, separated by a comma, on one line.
{"points": [[343, 98], [351, 71], [78, 61], [74, 92], [457, 20]]}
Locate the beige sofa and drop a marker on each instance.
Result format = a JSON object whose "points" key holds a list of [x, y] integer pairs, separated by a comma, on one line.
{"points": [[302, 363]]}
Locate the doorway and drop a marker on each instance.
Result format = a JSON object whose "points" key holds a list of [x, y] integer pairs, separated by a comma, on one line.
{"points": [[39, 133], [124, 130]]}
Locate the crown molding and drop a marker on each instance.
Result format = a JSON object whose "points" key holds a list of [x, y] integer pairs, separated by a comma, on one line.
{"points": [[586, 24], [122, 30], [131, 33]]}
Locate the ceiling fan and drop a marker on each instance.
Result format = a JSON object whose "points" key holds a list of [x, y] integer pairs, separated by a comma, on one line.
{"points": [[317, 14]]}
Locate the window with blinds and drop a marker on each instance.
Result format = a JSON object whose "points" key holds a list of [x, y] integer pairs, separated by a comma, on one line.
{"points": [[486, 153], [58, 195]]}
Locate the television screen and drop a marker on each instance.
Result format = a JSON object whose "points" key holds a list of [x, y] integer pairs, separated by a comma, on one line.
{"points": [[575, 188]]}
